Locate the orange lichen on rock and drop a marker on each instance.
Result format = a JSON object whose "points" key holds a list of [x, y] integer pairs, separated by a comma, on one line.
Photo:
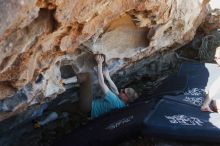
{"points": [[74, 22], [48, 4], [6, 90]]}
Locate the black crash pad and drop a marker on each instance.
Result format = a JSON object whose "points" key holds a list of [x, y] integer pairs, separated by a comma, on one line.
{"points": [[110, 128], [200, 75], [194, 97], [172, 85], [179, 121]]}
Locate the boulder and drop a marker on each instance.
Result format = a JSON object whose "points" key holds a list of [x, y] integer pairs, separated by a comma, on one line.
{"points": [[37, 37]]}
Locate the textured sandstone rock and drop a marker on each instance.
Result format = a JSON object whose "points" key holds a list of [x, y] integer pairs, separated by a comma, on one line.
{"points": [[6, 90], [16, 15], [39, 36], [18, 52]]}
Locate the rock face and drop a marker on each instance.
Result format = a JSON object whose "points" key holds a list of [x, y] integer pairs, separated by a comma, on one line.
{"points": [[38, 37]]}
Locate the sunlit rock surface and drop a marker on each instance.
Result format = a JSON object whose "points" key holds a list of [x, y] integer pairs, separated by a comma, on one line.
{"points": [[40, 36]]}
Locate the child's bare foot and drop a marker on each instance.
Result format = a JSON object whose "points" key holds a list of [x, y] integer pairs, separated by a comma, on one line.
{"points": [[206, 109], [205, 106]]}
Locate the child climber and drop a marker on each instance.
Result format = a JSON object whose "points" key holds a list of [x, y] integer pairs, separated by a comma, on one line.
{"points": [[112, 99], [214, 89]]}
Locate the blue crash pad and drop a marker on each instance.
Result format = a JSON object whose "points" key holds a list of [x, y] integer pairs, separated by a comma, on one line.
{"points": [[110, 128], [172, 85], [176, 116], [194, 97], [175, 120], [200, 75]]}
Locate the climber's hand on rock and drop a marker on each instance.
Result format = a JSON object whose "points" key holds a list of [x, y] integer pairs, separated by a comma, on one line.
{"points": [[99, 59]]}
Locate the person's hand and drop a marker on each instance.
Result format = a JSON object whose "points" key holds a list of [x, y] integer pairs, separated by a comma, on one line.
{"points": [[99, 59]]}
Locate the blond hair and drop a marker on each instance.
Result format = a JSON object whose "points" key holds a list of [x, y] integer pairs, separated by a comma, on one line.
{"points": [[132, 94]]}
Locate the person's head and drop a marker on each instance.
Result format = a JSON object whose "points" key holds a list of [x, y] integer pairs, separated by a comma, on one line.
{"points": [[128, 95], [217, 55]]}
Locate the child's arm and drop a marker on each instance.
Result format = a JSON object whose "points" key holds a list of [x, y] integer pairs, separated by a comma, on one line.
{"points": [[104, 87], [111, 83]]}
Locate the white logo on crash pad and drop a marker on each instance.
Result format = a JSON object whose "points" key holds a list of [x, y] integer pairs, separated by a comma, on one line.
{"points": [[194, 100], [184, 120], [195, 92], [119, 123]]}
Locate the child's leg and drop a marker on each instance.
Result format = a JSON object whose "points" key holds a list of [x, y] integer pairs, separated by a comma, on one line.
{"points": [[216, 105], [205, 106], [85, 99]]}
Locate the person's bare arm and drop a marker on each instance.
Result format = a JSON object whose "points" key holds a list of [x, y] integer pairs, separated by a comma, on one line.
{"points": [[104, 87], [111, 83]]}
